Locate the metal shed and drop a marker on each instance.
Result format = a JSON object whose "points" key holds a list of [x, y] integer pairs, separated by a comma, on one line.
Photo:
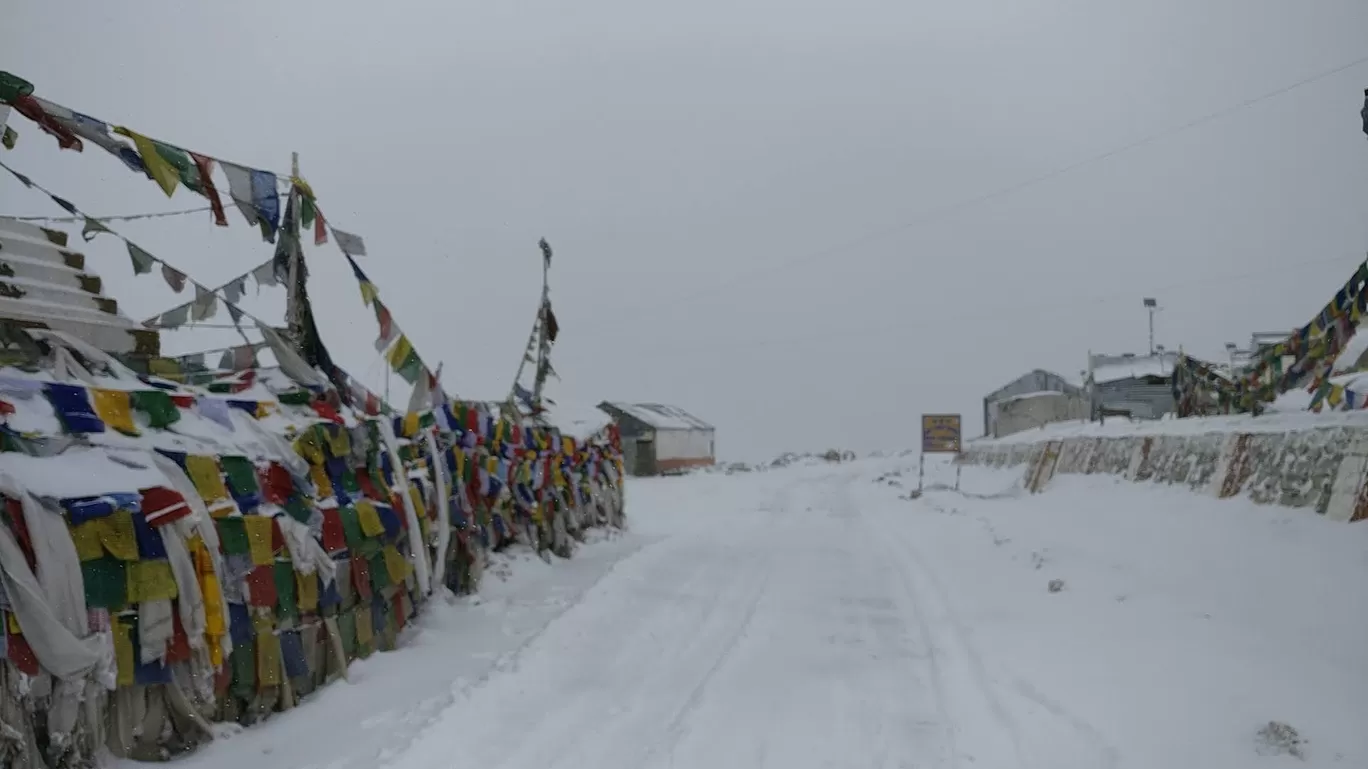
{"points": [[657, 438], [1037, 381], [1138, 385]]}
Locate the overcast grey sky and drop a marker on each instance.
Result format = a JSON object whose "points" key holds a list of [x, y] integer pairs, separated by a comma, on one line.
{"points": [[750, 202]]}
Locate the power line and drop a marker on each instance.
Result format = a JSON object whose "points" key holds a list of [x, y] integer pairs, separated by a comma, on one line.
{"points": [[118, 218], [1000, 192], [1016, 311]]}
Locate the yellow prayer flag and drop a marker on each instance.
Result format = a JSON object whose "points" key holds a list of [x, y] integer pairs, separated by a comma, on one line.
{"points": [[310, 447], [123, 651], [113, 532], [150, 581], [114, 408], [303, 186], [395, 564], [320, 481], [369, 518], [268, 652], [410, 424], [364, 632], [368, 292], [306, 591], [162, 172], [400, 352], [1336, 396], [259, 539], [208, 479]]}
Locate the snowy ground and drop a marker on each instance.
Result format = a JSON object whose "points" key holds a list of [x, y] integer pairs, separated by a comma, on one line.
{"points": [[811, 617]]}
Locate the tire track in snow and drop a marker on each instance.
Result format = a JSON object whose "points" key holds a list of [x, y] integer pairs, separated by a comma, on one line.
{"points": [[902, 556], [676, 730], [1109, 756], [911, 609], [1106, 756], [613, 681]]}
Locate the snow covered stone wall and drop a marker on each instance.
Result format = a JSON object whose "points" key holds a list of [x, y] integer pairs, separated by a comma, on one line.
{"points": [[1322, 468]]}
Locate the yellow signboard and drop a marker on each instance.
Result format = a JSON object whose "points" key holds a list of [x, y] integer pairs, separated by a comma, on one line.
{"points": [[940, 433]]}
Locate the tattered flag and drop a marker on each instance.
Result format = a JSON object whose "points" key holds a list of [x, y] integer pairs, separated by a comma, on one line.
{"points": [[142, 261], [351, 245], [173, 277], [92, 228]]}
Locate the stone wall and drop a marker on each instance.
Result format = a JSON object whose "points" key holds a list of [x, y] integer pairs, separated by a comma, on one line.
{"points": [[1321, 469]]}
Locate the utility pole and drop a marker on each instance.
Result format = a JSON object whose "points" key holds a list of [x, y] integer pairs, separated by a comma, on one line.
{"points": [[293, 320]]}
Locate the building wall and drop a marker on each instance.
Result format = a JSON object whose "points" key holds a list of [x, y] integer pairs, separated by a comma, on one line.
{"points": [[683, 445], [675, 465], [1034, 382], [1014, 416], [1143, 400]]}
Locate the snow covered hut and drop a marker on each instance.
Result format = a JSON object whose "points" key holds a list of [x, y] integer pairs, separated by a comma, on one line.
{"points": [[1031, 400], [659, 439], [1135, 384]]}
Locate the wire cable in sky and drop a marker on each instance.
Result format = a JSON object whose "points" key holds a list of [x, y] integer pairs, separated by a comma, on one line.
{"points": [[867, 330], [119, 218], [1000, 192]]}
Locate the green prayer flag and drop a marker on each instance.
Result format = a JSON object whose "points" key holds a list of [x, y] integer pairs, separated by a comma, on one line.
{"points": [[241, 475], [299, 397], [411, 367], [346, 628], [244, 664], [287, 602], [351, 526], [13, 87], [307, 211], [379, 573], [180, 160], [142, 261], [297, 509], [9, 138], [349, 482], [232, 533], [161, 411], [106, 583]]}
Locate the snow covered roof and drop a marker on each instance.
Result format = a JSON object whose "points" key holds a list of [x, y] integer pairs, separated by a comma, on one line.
{"points": [[1114, 368], [1037, 394], [577, 420], [44, 284], [660, 416]]}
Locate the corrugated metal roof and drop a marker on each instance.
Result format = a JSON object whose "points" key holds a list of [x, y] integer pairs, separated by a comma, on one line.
{"points": [[1113, 368], [662, 417]]}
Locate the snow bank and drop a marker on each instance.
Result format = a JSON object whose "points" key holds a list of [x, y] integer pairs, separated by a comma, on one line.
{"points": [[1310, 461], [1183, 627]]}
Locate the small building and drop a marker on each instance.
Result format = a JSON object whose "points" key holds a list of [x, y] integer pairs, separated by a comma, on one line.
{"points": [[1139, 386], [1032, 400], [659, 439]]}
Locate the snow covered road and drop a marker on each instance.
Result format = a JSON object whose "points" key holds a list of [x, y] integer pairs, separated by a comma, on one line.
{"points": [[811, 617]]}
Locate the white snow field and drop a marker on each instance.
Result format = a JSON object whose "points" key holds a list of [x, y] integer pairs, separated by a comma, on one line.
{"points": [[811, 617]]}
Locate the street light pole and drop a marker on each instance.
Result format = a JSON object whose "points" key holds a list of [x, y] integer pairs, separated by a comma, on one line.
{"points": [[1152, 305]]}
